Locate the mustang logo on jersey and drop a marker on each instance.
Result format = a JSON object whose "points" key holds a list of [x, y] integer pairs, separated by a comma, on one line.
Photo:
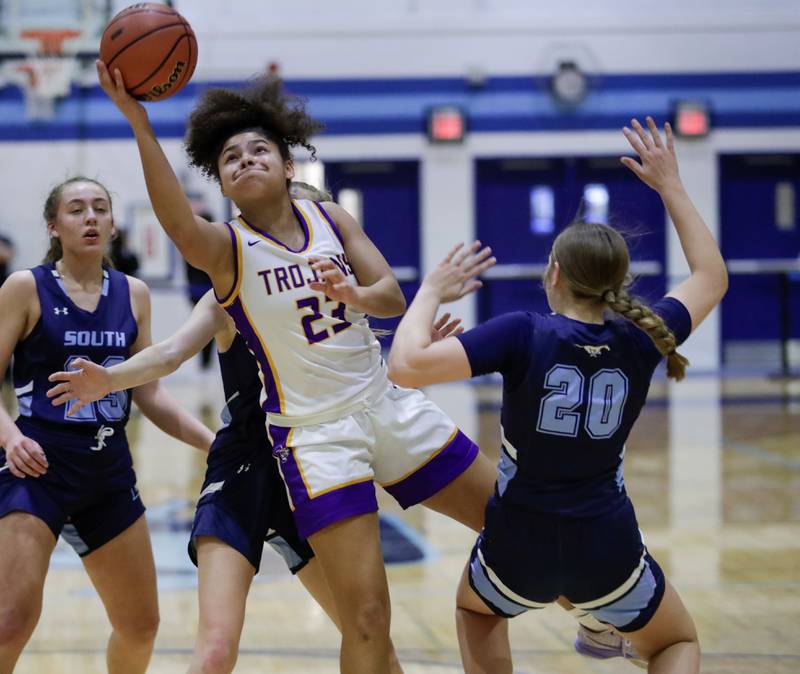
{"points": [[594, 351], [281, 279], [94, 338]]}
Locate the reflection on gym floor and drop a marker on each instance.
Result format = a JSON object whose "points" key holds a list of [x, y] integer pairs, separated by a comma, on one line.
{"points": [[713, 467]]}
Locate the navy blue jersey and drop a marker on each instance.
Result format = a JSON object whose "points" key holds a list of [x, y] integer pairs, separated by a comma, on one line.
{"points": [[244, 420], [571, 393], [66, 332]]}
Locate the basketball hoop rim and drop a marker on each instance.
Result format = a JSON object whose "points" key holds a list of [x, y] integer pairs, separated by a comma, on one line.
{"points": [[51, 41]]}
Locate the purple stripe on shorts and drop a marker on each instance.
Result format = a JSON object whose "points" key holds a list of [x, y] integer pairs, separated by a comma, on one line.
{"points": [[237, 313], [440, 471], [313, 514]]}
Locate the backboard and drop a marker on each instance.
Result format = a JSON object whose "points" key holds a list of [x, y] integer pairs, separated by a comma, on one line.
{"points": [[48, 45]]}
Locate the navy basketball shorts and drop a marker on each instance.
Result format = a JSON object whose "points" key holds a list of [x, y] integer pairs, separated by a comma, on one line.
{"points": [[88, 494], [243, 503], [525, 560]]}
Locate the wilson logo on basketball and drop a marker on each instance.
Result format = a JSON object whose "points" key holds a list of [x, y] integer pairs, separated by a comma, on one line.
{"points": [[159, 90]]}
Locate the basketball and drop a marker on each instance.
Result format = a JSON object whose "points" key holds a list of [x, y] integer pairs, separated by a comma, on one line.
{"points": [[154, 48]]}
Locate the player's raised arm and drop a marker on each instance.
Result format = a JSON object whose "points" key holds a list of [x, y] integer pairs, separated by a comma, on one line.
{"points": [[708, 282], [416, 359], [205, 245], [152, 398]]}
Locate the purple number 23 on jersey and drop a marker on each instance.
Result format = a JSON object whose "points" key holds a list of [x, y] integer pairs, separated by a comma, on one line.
{"points": [[313, 303]]}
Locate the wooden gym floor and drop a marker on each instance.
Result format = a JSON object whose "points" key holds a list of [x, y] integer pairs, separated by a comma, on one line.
{"points": [[713, 467]]}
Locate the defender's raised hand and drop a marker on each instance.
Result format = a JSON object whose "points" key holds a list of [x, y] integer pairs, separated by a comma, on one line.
{"points": [[659, 165], [455, 276], [444, 328]]}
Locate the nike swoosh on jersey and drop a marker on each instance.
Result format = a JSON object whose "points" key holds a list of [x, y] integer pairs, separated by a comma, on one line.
{"points": [[253, 243]]}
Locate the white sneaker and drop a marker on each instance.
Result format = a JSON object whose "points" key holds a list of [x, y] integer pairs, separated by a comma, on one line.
{"points": [[607, 644]]}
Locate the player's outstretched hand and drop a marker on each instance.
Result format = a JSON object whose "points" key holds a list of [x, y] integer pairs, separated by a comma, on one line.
{"points": [[25, 457], [659, 165], [83, 384], [456, 275], [114, 86], [332, 282], [442, 328]]}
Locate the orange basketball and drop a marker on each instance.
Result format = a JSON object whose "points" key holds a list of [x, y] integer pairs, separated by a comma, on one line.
{"points": [[154, 48]]}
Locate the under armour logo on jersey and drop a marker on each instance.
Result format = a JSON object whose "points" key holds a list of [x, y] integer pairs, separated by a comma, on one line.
{"points": [[102, 433], [594, 351], [63, 311]]}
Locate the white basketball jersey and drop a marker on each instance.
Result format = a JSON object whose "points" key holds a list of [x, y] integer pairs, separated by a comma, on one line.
{"points": [[316, 355]]}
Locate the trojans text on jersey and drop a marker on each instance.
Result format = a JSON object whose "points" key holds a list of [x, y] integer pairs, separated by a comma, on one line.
{"points": [[282, 278]]}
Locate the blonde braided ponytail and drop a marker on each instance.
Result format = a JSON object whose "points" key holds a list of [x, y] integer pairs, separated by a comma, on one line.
{"points": [[646, 319], [594, 261]]}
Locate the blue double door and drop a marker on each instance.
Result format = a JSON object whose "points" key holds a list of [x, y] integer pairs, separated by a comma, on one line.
{"points": [[388, 194], [523, 204], [759, 222]]}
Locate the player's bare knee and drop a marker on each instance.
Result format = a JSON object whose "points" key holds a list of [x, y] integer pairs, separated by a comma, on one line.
{"points": [[17, 623], [218, 655], [138, 629], [371, 620]]}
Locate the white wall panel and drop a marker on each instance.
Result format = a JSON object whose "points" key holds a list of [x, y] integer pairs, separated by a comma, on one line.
{"points": [[365, 38]]}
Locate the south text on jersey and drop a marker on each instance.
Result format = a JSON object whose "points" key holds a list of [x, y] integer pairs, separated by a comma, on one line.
{"points": [[94, 338]]}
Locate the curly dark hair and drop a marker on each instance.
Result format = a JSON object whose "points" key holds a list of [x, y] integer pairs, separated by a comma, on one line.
{"points": [[263, 105]]}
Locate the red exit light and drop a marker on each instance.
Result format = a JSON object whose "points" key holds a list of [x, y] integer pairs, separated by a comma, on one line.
{"points": [[446, 125], [691, 120]]}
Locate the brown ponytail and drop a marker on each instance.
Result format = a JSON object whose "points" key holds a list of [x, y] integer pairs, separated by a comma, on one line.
{"points": [[54, 252], [594, 261]]}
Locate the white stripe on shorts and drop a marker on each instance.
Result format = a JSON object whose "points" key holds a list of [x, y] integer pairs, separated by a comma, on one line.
{"points": [[506, 592], [22, 390], [620, 591], [211, 488], [510, 449]]}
